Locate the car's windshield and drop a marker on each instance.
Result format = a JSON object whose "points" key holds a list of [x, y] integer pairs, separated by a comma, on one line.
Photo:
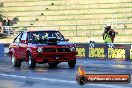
{"points": [[40, 36]]}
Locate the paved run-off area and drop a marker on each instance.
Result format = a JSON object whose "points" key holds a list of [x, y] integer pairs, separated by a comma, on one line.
{"points": [[62, 76]]}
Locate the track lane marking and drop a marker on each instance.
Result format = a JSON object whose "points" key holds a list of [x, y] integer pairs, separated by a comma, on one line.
{"points": [[59, 80]]}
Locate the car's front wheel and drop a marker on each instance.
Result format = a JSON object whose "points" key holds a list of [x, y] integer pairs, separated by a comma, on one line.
{"points": [[31, 61], [16, 62], [72, 63]]}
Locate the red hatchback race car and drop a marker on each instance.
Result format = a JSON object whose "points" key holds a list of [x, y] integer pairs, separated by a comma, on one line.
{"points": [[42, 47]]}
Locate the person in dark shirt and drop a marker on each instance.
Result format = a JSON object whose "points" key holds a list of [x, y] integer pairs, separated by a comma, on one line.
{"points": [[4, 23], [112, 33], [109, 34]]}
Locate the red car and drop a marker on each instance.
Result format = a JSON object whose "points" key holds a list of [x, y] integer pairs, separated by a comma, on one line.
{"points": [[42, 47]]}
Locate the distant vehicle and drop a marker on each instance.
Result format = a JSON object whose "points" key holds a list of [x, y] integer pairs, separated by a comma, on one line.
{"points": [[42, 47]]}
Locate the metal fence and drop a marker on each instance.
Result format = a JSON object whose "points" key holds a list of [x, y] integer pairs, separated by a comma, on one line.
{"points": [[74, 29], [8, 33]]}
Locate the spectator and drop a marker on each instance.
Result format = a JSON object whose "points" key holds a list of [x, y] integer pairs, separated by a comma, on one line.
{"points": [[9, 22], [4, 23], [109, 34]]}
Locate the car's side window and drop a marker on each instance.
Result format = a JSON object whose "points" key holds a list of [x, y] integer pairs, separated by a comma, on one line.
{"points": [[24, 36], [31, 37], [17, 39]]}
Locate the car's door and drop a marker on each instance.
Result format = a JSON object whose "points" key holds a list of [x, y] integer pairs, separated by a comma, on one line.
{"points": [[23, 45], [15, 45]]}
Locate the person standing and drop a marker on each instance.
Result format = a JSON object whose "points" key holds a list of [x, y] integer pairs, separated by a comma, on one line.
{"points": [[106, 37], [109, 34]]}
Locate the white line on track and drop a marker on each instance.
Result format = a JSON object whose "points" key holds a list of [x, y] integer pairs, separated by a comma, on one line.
{"points": [[62, 81]]}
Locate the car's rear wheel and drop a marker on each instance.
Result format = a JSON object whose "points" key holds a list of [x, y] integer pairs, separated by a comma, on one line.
{"points": [[16, 62], [72, 63], [52, 65], [31, 61]]}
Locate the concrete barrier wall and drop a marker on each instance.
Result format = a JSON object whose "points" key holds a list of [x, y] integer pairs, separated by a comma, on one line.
{"points": [[104, 51], [1, 50], [97, 51]]}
